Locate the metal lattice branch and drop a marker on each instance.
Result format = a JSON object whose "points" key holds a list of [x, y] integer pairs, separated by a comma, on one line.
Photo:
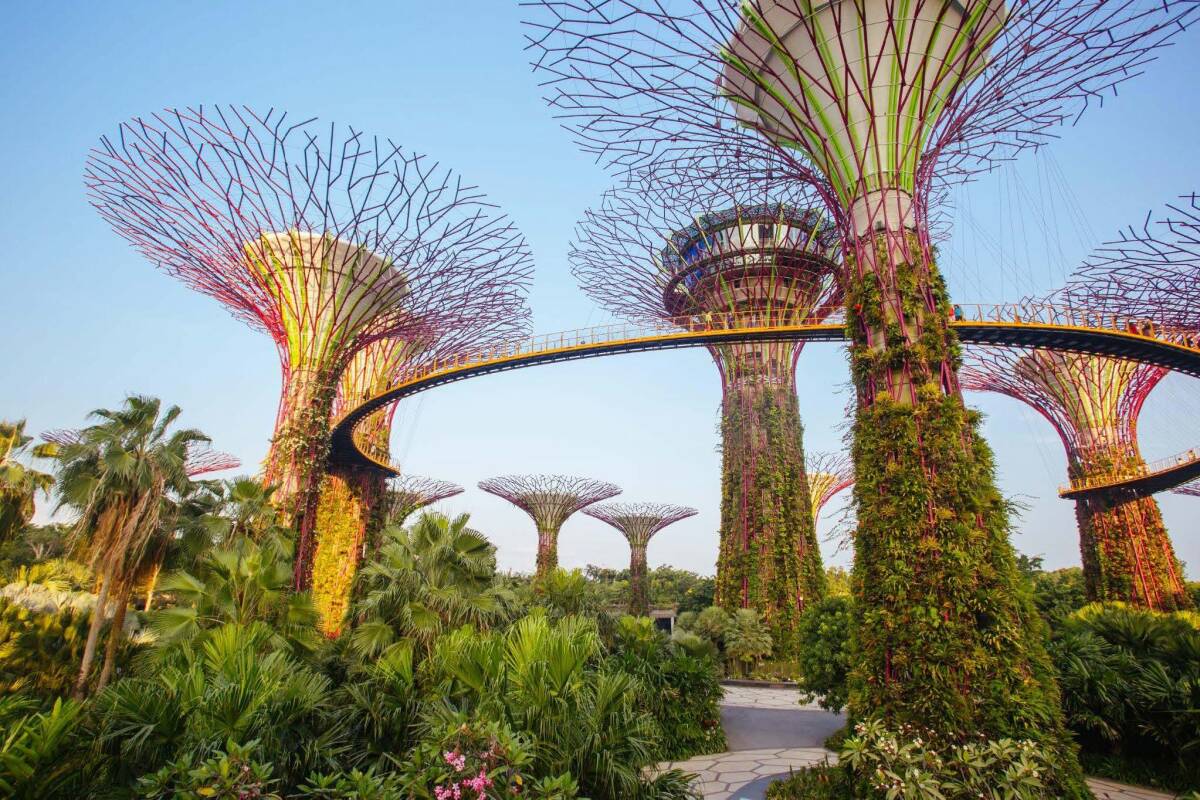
{"points": [[828, 474], [411, 492], [202, 459], [638, 81], [1151, 270], [638, 522], [1093, 402], [1192, 489], [549, 499]]}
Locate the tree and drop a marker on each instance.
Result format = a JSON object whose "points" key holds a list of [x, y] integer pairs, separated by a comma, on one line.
{"points": [[19, 484], [747, 639], [119, 475]]}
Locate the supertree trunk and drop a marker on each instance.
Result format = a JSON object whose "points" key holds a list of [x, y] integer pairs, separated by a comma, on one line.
{"points": [[1126, 553], [945, 633], [769, 559], [547, 552], [639, 584], [343, 519]]}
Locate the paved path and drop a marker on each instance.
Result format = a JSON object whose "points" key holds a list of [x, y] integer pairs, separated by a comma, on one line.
{"points": [[770, 734]]}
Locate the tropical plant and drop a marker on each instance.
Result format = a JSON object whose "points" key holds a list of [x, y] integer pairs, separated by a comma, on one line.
{"points": [[40, 756], [378, 706], [747, 640], [823, 654], [711, 623], [541, 680], [40, 650], [19, 484], [231, 775], [233, 688], [428, 579], [1131, 691], [681, 690], [118, 475]]}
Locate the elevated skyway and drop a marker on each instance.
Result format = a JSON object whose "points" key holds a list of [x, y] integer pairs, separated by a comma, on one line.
{"points": [[1022, 325]]}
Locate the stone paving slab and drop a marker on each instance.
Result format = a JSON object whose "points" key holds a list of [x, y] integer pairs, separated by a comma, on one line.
{"points": [[745, 774], [757, 697]]}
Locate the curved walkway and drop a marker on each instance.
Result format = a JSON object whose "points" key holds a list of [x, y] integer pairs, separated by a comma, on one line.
{"points": [[753, 715]]}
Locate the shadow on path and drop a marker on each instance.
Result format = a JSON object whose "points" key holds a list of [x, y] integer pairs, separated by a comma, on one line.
{"points": [[763, 728]]}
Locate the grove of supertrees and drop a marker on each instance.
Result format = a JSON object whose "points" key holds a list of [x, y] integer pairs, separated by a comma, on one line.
{"points": [[879, 105], [732, 254], [1093, 403], [324, 237], [638, 522], [549, 500]]}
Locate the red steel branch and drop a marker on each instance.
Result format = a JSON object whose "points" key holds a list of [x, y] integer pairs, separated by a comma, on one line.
{"points": [[201, 458], [411, 492]]}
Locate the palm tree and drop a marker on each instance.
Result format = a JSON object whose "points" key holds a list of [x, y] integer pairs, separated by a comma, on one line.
{"points": [[433, 577], [119, 475], [19, 484]]}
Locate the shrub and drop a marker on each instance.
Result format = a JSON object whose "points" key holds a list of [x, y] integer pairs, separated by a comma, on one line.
{"points": [[679, 690], [815, 783], [905, 763], [1131, 691], [823, 655], [230, 775], [40, 753], [747, 640], [711, 623]]}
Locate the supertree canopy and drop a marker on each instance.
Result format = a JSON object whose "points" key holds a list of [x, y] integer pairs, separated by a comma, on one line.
{"points": [[876, 103], [638, 522], [549, 500], [1094, 402], [324, 237], [828, 474], [721, 253], [412, 492]]}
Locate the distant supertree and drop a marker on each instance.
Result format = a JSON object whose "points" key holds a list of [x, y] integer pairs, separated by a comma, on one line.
{"points": [[1094, 402], [549, 500], [723, 252], [409, 493], [1191, 489], [638, 522], [326, 238], [828, 474], [878, 104]]}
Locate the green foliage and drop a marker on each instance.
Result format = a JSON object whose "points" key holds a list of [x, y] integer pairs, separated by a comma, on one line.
{"points": [[747, 640], [544, 681], [1131, 691], [813, 783], [19, 483], [824, 652], [40, 756], [40, 651], [433, 577], [230, 687], [231, 775], [913, 764], [680, 689], [945, 633], [712, 623], [769, 555], [353, 785]]}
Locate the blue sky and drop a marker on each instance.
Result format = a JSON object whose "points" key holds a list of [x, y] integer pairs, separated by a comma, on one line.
{"points": [[88, 320]]}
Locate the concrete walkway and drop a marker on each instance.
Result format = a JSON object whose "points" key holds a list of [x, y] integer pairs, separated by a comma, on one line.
{"points": [[771, 734]]}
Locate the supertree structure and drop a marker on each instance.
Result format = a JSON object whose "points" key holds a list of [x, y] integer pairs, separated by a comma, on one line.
{"points": [[324, 237], [202, 459], [1191, 489], [638, 522], [828, 475], [1093, 403], [730, 254], [877, 103], [349, 513], [549, 500], [412, 492]]}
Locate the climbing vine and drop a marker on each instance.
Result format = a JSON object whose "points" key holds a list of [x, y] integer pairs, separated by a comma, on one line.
{"points": [[945, 633], [343, 519], [769, 558]]}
